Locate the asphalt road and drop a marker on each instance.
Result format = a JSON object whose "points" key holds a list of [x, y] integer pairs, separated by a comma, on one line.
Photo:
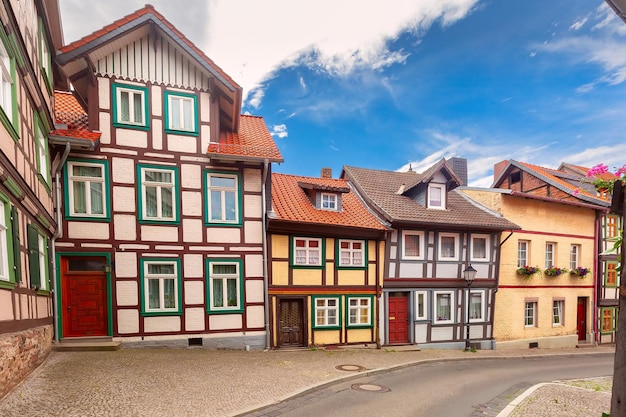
{"points": [[442, 389]]}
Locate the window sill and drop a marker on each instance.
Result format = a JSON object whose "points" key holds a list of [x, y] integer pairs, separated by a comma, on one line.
{"points": [[7, 285]]}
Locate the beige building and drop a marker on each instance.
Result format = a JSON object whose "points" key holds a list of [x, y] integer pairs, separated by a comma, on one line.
{"points": [[542, 299]]}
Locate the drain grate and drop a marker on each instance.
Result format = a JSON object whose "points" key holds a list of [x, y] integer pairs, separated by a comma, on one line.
{"points": [[370, 388], [350, 368]]}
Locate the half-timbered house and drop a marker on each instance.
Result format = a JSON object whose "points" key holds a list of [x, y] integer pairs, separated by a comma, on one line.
{"points": [[164, 185], [437, 233]]}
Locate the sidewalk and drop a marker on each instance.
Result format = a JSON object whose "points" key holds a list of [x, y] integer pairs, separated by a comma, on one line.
{"points": [[200, 382]]}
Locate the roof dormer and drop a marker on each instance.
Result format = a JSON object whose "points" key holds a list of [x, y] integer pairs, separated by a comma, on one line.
{"points": [[324, 195]]}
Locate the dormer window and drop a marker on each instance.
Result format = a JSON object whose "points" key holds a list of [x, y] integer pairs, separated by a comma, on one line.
{"points": [[329, 201], [437, 196]]}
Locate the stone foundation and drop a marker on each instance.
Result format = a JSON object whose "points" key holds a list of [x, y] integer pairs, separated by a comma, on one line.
{"points": [[21, 353]]}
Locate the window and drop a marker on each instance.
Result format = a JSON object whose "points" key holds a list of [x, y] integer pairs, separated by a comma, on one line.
{"points": [[557, 312], [476, 305], [86, 185], [444, 302], [610, 274], [158, 191], [44, 56], [43, 159], [437, 196], [8, 94], [412, 245], [38, 247], [225, 289], [5, 241], [550, 254], [161, 286], [326, 311], [574, 256], [329, 201], [130, 106], [307, 251], [608, 320], [360, 311], [448, 246], [351, 253], [611, 227], [522, 253], [530, 314], [420, 305], [180, 112], [223, 198], [480, 248]]}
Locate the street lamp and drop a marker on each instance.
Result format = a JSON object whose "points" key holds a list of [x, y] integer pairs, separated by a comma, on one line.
{"points": [[469, 274]]}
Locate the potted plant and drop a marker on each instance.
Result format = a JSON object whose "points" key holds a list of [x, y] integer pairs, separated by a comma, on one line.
{"points": [[527, 271], [579, 271], [554, 271]]}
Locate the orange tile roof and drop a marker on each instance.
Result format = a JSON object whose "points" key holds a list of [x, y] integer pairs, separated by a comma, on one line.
{"points": [[69, 112], [147, 10], [252, 141], [291, 203]]}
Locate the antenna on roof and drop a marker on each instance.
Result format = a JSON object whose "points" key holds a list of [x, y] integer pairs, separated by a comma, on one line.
{"points": [[401, 189], [410, 168]]}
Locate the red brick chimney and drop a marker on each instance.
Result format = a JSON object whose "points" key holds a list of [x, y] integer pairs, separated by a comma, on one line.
{"points": [[497, 168], [327, 173]]}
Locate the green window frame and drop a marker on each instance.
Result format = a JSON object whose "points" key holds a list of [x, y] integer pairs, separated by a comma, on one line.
{"points": [[41, 145], [10, 265], [611, 275], [607, 320], [9, 115], [351, 254], [360, 311], [181, 113], [38, 259], [158, 194], [87, 187], [130, 106], [45, 59], [223, 198], [161, 283], [326, 312], [307, 252], [224, 286]]}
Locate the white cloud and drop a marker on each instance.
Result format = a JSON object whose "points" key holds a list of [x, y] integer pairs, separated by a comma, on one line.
{"points": [[578, 24], [280, 131]]}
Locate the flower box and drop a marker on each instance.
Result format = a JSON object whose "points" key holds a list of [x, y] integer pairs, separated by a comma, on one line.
{"points": [[527, 271], [554, 271], [579, 271]]}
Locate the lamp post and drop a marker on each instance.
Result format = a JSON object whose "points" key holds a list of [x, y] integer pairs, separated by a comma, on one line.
{"points": [[469, 274]]}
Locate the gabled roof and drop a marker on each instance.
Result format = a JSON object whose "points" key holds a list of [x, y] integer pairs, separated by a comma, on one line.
{"points": [[379, 188], [71, 123], [571, 184], [290, 203], [252, 142]]}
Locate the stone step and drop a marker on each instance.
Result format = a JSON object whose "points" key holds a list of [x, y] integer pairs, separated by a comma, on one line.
{"points": [[86, 344]]}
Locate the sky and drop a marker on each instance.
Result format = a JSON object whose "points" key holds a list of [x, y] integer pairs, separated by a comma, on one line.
{"points": [[399, 85]]}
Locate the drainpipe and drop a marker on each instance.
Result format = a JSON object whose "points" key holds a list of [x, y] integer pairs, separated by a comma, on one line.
{"points": [[596, 286], [57, 234], [266, 296]]}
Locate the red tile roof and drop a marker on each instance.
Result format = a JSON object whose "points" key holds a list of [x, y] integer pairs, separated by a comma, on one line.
{"points": [[67, 111], [252, 141], [291, 203]]}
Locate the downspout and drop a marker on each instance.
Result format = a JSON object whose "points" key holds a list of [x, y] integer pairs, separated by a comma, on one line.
{"points": [[266, 296], [57, 234], [596, 286]]}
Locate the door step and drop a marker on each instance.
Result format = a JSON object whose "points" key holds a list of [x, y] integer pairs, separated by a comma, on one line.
{"points": [[82, 344]]}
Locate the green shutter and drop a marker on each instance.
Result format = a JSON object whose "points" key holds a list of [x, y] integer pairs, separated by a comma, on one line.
{"points": [[33, 256], [17, 252]]}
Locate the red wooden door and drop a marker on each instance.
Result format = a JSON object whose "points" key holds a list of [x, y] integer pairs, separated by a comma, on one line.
{"points": [[84, 301], [581, 319], [290, 327], [398, 319]]}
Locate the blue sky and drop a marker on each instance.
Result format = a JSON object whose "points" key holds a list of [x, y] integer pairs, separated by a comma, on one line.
{"points": [[352, 83]]}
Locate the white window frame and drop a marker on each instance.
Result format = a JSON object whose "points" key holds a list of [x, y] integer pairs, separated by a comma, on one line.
{"points": [[482, 305], [159, 187], [236, 276], [179, 107], [162, 277], [422, 245], [550, 255], [308, 251], [43, 158], [436, 317], [421, 298], [356, 311], [558, 308], [574, 256], [530, 314], [121, 88], [87, 181], [441, 188], [523, 247], [325, 308], [328, 201], [224, 191], [351, 253], [440, 255], [5, 273], [487, 239], [6, 82], [43, 262]]}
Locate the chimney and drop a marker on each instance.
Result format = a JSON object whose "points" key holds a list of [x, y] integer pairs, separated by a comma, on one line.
{"points": [[497, 168], [459, 166], [327, 173]]}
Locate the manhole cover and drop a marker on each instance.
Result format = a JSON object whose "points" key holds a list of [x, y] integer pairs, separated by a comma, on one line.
{"points": [[350, 368], [370, 388]]}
